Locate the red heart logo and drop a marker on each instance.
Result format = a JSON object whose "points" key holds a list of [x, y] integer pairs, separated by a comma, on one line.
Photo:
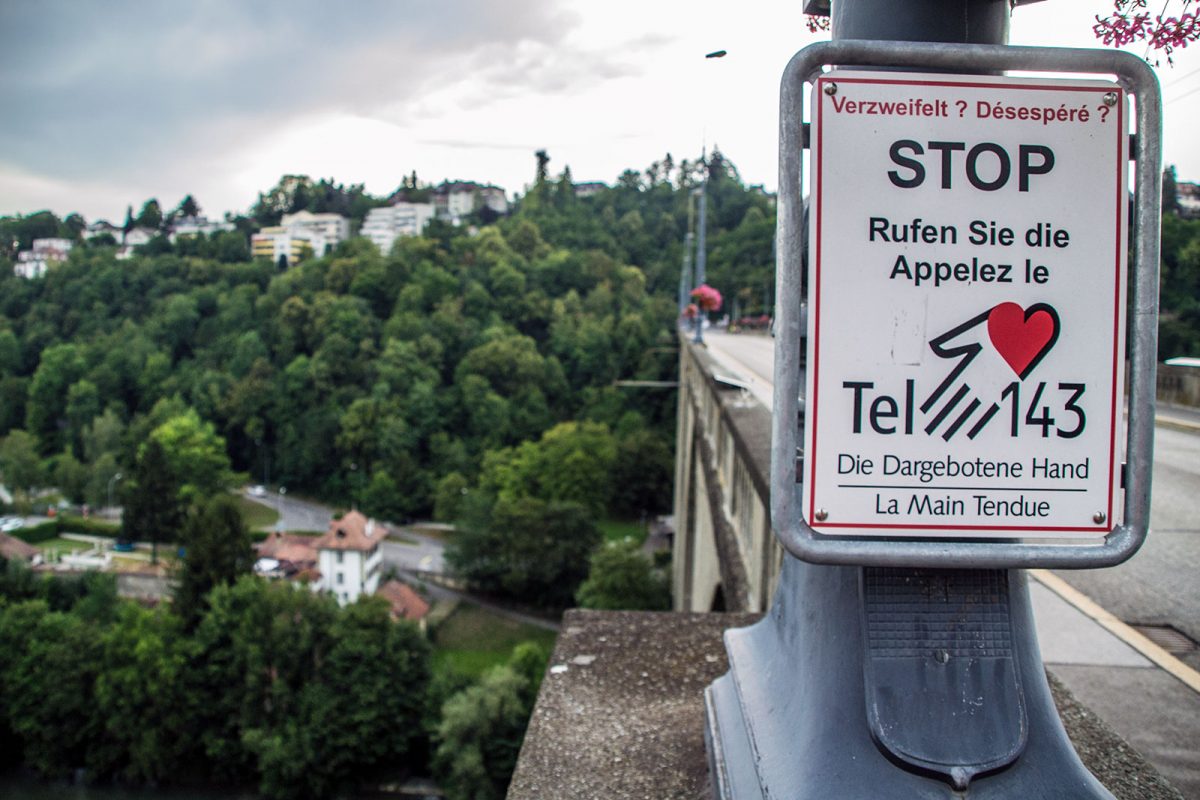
{"points": [[1023, 337]]}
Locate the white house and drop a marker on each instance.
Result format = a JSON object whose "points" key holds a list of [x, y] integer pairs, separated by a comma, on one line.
{"points": [[589, 188], [333, 228], [34, 262], [101, 227], [349, 557], [139, 236], [455, 199], [384, 225], [197, 226]]}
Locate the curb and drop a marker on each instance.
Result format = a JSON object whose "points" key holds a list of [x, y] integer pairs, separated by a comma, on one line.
{"points": [[1174, 423], [1160, 657]]}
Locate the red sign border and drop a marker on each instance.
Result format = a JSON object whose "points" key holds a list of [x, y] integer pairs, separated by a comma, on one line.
{"points": [[815, 316]]}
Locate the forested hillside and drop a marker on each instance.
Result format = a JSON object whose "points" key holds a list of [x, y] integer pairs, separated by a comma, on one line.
{"points": [[372, 378]]}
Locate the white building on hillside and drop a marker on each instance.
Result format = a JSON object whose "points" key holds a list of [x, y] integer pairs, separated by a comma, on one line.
{"points": [[291, 244], [333, 228], [384, 225], [1188, 196], [138, 237], [101, 227], [455, 199], [44, 253], [349, 557], [197, 226], [589, 188]]}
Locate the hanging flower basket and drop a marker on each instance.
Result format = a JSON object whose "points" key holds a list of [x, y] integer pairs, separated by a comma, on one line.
{"points": [[707, 298]]}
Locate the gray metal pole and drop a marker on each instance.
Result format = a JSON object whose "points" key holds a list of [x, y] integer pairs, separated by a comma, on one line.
{"points": [[685, 273], [886, 682], [702, 254]]}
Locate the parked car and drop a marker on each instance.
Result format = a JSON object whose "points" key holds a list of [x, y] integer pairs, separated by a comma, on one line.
{"points": [[258, 491], [11, 524]]}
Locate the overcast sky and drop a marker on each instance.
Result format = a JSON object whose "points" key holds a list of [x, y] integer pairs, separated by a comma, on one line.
{"points": [[108, 104]]}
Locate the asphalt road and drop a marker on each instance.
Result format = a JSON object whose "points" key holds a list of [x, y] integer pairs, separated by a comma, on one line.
{"points": [[1159, 585], [413, 552], [294, 514]]}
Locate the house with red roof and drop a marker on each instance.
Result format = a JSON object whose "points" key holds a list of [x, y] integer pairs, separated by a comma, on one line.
{"points": [[349, 557], [405, 602], [13, 549]]}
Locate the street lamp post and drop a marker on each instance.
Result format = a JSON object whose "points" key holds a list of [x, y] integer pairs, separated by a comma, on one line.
{"points": [[111, 481], [279, 522]]}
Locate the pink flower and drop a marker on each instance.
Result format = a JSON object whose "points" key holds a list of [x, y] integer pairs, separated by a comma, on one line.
{"points": [[708, 298], [1131, 23]]}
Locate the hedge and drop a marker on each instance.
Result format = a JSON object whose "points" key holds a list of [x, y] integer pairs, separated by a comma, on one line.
{"points": [[52, 529]]}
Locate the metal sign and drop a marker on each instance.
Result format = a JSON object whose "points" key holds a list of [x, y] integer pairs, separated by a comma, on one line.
{"points": [[967, 276], [965, 282]]}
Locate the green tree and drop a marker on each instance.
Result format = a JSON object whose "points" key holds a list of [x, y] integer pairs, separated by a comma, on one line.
{"points": [[59, 367], [196, 454], [524, 547], [153, 511], [621, 577], [362, 713], [47, 686], [71, 477], [150, 216], [480, 736], [1170, 191], [217, 551], [83, 404], [571, 463], [257, 645], [20, 465], [448, 497], [641, 474], [188, 207], [142, 698]]}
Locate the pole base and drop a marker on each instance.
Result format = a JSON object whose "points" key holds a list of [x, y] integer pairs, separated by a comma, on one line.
{"points": [[797, 715]]}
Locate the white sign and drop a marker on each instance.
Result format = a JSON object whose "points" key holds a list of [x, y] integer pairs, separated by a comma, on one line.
{"points": [[966, 294]]}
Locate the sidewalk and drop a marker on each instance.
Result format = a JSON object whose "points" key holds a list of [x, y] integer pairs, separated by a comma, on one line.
{"points": [[1150, 698]]}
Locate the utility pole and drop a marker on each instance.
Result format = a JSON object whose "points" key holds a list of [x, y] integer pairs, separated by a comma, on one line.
{"points": [[702, 251], [685, 275]]}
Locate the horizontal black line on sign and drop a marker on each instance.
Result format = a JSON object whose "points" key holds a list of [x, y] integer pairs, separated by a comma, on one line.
{"points": [[927, 488]]}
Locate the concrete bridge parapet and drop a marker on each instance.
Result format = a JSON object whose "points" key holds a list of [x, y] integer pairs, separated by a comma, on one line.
{"points": [[726, 557]]}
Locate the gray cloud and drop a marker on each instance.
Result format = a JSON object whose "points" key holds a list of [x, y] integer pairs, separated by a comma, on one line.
{"points": [[97, 89]]}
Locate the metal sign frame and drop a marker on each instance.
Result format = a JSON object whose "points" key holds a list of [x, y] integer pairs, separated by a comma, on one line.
{"points": [[794, 533]]}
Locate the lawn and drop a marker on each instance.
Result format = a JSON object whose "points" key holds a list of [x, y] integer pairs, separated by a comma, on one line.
{"points": [[615, 530], [472, 639], [62, 545], [256, 515]]}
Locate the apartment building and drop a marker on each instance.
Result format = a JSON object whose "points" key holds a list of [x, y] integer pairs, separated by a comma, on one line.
{"points": [[384, 225], [333, 228], [42, 254]]}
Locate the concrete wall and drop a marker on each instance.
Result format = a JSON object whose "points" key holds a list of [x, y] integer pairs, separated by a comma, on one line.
{"points": [[726, 556], [1179, 385]]}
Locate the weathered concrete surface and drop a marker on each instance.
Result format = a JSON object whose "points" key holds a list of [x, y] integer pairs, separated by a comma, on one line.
{"points": [[147, 586], [625, 719], [629, 724]]}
